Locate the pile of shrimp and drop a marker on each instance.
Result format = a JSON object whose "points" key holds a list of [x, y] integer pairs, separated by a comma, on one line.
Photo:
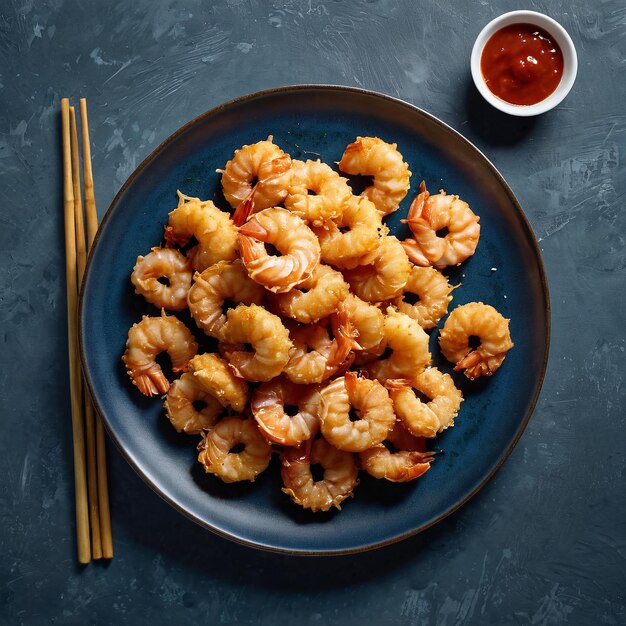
{"points": [[317, 320]]}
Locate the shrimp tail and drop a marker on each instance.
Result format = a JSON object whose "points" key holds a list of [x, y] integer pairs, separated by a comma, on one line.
{"points": [[396, 384], [342, 357], [202, 443], [473, 365], [151, 383], [418, 224], [340, 353], [254, 230], [470, 360], [344, 366], [228, 350], [173, 239], [345, 342], [247, 248], [419, 205], [344, 329], [245, 209], [351, 379], [413, 251], [420, 464]]}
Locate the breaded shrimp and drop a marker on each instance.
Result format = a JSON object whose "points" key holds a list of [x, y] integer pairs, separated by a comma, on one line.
{"points": [[433, 293], [315, 298], [384, 273], [373, 413], [218, 455], [399, 459], [214, 375], [214, 230], [371, 156], [430, 214], [330, 191], [408, 343], [354, 233], [367, 320], [219, 283], [190, 408], [421, 418], [268, 338], [285, 413], [298, 247], [262, 168], [339, 479], [488, 326], [320, 350], [149, 338], [163, 263]]}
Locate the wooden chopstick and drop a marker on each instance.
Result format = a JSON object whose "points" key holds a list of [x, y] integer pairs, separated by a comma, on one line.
{"points": [[106, 535], [78, 435], [90, 473], [90, 199], [90, 431]]}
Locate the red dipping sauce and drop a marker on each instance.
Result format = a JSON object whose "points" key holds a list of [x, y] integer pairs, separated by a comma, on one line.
{"points": [[522, 64]]}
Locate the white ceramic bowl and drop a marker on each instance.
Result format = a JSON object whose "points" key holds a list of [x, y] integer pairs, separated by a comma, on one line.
{"points": [[570, 62]]}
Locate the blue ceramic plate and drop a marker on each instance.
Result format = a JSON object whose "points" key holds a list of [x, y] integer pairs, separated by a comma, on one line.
{"points": [[506, 272]]}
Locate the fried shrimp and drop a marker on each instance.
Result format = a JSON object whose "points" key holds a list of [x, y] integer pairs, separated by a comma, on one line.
{"points": [[370, 156], [285, 413], [399, 459], [298, 247], [330, 191], [267, 336], [190, 408], [317, 297], [408, 343], [319, 318], [383, 274], [426, 418], [345, 239], [218, 453], [214, 375], [398, 467], [260, 167], [337, 483], [146, 340], [319, 350], [372, 411], [480, 321], [432, 290], [430, 214], [367, 320], [214, 230], [224, 282], [167, 264]]}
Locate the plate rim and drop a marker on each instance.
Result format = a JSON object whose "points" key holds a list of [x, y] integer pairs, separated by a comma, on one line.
{"points": [[415, 110]]}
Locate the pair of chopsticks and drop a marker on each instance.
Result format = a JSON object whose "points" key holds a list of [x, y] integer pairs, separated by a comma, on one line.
{"points": [[93, 520]]}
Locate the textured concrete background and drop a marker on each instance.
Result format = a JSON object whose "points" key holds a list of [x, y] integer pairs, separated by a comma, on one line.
{"points": [[543, 543]]}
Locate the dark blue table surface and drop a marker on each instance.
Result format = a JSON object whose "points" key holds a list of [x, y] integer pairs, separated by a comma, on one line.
{"points": [[543, 543]]}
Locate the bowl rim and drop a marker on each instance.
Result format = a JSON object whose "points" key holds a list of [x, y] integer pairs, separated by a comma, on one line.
{"points": [[570, 62], [532, 239]]}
